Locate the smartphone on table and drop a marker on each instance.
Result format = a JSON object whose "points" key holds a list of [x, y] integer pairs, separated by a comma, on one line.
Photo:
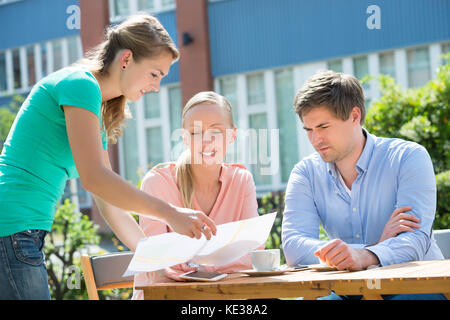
{"points": [[300, 267], [203, 276]]}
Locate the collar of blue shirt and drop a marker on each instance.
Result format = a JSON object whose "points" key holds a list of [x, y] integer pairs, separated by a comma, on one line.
{"points": [[364, 159]]}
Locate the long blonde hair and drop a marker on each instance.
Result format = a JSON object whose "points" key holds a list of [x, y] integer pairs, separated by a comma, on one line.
{"points": [[183, 165], [144, 35]]}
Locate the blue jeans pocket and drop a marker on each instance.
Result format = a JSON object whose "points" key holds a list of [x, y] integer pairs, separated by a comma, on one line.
{"points": [[28, 246]]}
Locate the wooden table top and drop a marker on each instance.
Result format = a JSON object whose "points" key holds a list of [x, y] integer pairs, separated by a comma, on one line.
{"points": [[414, 276]]}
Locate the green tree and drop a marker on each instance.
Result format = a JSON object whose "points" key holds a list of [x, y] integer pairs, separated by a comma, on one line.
{"points": [[418, 114]]}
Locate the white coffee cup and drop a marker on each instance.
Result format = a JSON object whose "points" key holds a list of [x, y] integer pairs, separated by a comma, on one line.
{"points": [[265, 260]]}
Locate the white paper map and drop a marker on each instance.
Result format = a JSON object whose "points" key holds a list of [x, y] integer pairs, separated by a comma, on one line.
{"points": [[232, 241]]}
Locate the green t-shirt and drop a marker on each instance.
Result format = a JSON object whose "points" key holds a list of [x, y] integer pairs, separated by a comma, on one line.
{"points": [[36, 160]]}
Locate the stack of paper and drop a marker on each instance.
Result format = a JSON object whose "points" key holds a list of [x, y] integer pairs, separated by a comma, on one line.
{"points": [[232, 241]]}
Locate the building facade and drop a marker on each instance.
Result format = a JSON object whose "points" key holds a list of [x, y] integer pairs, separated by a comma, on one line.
{"points": [[262, 51], [257, 53]]}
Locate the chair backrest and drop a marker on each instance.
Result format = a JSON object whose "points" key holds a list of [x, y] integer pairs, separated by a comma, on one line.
{"points": [[105, 272], [442, 238]]}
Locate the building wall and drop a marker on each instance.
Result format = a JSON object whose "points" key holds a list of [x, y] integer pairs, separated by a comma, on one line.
{"points": [[37, 38], [31, 21], [249, 35], [262, 52]]}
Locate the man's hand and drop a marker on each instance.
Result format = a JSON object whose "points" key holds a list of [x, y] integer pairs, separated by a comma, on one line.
{"points": [[339, 254], [399, 222]]}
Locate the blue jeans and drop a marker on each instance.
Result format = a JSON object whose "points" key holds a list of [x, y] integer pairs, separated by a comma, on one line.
{"points": [[421, 296], [22, 268]]}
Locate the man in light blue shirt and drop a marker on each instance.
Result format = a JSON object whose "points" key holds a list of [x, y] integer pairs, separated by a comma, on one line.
{"points": [[375, 197]]}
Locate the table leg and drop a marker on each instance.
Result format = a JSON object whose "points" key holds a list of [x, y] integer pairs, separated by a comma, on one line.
{"points": [[372, 296]]}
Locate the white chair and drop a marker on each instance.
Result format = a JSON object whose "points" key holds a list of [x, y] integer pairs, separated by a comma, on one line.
{"points": [[443, 241]]}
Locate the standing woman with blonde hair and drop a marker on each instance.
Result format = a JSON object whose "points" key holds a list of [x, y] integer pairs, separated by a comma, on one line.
{"points": [[61, 132], [200, 180]]}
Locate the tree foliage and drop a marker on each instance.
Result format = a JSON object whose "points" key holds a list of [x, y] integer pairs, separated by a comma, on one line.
{"points": [[419, 114]]}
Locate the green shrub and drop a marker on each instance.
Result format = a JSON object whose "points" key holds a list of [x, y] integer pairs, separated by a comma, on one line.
{"points": [[418, 114], [442, 220], [71, 231], [273, 202]]}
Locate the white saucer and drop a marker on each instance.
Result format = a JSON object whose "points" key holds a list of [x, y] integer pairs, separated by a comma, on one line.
{"points": [[254, 273]]}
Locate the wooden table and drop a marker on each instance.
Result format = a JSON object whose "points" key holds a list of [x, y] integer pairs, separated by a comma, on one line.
{"points": [[404, 278]]}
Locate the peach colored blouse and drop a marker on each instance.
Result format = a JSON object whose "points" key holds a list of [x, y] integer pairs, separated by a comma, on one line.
{"points": [[236, 201]]}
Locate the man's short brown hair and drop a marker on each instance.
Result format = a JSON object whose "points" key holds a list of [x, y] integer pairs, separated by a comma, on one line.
{"points": [[336, 91]]}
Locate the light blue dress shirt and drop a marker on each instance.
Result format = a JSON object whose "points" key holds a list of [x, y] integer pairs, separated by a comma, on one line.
{"points": [[392, 173]]}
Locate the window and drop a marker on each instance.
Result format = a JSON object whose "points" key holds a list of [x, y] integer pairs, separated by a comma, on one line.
{"points": [[387, 64], [167, 3], [228, 89], [121, 7], [3, 81], [361, 69], [17, 76], [255, 89], [286, 117], [418, 67], [446, 48], [130, 147], [57, 55], [154, 146], [146, 5], [175, 119], [72, 44], [31, 66], [335, 65], [259, 148], [44, 68], [175, 107], [84, 198], [151, 105]]}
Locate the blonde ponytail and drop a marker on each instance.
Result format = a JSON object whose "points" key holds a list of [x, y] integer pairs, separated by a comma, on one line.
{"points": [[185, 181]]}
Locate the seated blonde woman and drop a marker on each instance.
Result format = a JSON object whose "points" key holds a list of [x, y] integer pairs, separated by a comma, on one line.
{"points": [[200, 180]]}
